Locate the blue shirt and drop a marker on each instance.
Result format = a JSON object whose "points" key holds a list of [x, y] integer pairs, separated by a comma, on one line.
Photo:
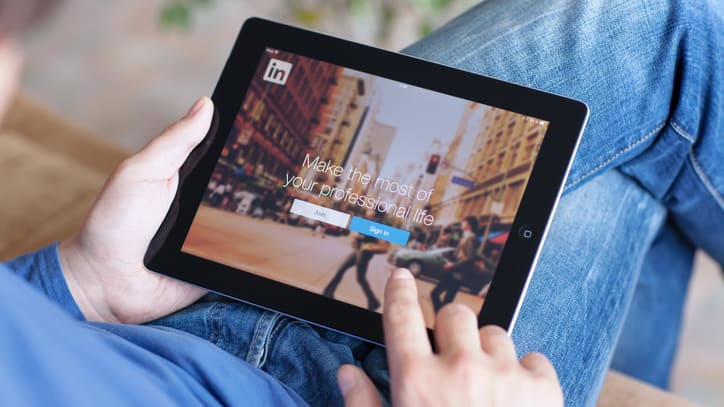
{"points": [[49, 355]]}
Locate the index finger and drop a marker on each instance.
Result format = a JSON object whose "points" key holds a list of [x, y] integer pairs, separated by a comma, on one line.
{"points": [[404, 324]]}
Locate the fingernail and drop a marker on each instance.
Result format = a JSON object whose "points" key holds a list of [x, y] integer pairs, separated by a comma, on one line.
{"points": [[346, 380], [401, 274], [196, 107]]}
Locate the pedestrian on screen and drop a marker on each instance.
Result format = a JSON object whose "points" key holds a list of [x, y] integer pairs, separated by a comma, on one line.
{"points": [[363, 249], [464, 265]]}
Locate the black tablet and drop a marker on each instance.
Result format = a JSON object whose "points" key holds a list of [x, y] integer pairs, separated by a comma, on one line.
{"points": [[331, 163]]}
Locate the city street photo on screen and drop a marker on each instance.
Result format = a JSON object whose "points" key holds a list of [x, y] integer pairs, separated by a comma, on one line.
{"points": [[331, 178]]}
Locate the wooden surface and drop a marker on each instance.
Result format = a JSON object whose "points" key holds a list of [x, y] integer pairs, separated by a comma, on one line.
{"points": [[53, 134], [622, 391], [52, 173]]}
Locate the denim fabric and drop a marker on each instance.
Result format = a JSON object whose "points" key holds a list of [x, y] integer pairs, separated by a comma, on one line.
{"points": [[585, 279], [647, 345], [651, 72], [304, 357], [647, 181]]}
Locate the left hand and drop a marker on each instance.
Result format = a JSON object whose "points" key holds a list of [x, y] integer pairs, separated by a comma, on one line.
{"points": [[103, 263]]}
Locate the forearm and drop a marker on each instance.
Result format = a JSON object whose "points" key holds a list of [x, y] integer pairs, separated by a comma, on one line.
{"points": [[43, 271]]}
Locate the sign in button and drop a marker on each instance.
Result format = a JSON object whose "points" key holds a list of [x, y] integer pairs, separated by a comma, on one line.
{"points": [[320, 213], [380, 231]]}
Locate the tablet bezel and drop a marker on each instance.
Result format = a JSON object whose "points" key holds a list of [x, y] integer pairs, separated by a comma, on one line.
{"points": [[566, 119]]}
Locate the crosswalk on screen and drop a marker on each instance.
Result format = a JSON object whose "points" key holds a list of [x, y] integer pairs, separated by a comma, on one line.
{"points": [[331, 178]]}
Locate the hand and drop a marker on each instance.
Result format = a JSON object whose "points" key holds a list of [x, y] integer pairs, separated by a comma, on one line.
{"points": [[471, 367], [103, 263]]}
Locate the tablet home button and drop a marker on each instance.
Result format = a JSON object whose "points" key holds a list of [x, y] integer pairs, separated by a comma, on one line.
{"points": [[525, 232]]}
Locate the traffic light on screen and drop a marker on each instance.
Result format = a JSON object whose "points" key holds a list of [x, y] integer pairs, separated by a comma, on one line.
{"points": [[433, 163]]}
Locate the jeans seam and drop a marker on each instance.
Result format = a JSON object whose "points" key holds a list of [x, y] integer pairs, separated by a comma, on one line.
{"points": [[219, 324], [254, 339], [279, 323], [681, 132], [266, 324], [211, 323], [617, 155], [698, 169], [708, 185]]}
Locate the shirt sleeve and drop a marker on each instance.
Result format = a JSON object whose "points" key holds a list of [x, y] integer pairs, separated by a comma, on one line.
{"points": [[42, 270]]}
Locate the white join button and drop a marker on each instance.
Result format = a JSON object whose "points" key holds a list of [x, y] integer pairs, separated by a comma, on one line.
{"points": [[319, 213]]}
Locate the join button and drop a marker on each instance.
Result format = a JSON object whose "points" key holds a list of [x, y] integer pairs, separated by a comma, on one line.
{"points": [[378, 230]]}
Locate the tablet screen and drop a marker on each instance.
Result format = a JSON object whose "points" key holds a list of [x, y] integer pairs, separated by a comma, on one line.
{"points": [[331, 178]]}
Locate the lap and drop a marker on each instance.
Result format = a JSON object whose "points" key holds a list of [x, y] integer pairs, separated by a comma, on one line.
{"points": [[290, 350]]}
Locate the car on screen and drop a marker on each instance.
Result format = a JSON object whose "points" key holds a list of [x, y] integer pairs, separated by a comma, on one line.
{"points": [[427, 265], [423, 263]]}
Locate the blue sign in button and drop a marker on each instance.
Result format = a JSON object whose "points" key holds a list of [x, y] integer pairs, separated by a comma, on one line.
{"points": [[380, 231]]}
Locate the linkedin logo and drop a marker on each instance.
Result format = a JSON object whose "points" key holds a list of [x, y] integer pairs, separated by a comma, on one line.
{"points": [[277, 71]]}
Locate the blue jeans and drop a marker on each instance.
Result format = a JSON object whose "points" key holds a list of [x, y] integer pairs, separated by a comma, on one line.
{"points": [[645, 190]]}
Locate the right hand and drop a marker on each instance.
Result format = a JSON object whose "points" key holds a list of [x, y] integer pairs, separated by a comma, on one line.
{"points": [[472, 367]]}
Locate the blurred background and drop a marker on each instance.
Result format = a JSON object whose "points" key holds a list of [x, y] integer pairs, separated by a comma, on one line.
{"points": [[126, 69], [148, 60]]}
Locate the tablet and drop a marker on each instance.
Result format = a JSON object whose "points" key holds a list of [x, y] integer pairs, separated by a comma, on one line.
{"points": [[330, 163]]}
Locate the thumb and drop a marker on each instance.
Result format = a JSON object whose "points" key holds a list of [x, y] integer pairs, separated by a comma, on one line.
{"points": [[356, 388], [164, 155]]}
